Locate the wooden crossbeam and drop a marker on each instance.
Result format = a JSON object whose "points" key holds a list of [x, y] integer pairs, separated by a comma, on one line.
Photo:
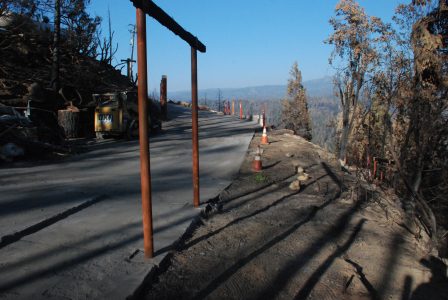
{"points": [[152, 10]]}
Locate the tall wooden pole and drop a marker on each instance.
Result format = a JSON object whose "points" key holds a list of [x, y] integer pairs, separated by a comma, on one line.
{"points": [[163, 98], [194, 115], [145, 174]]}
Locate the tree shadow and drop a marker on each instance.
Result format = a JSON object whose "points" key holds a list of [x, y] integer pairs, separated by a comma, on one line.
{"points": [[12, 238], [372, 291], [320, 271], [66, 263], [395, 250], [271, 165], [294, 265], [239, 220], [260, 187], [215, 283], [333, 176], [437, 287]]}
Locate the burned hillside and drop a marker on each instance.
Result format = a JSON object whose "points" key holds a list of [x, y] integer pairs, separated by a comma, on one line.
{"points": [[29, 106]]}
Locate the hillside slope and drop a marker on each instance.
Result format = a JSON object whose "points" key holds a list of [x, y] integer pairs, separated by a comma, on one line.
{"points": [[335, 238], [26, 59]]}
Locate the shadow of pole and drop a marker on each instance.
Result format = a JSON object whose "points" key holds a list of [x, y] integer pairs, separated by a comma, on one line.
{"points": [[239, 220], [12, 238], [240, 263], [391, 264], [293, 266], [65, 264], [315, 277]]}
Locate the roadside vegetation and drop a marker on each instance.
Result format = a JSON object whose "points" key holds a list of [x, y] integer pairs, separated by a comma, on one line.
{"points": [[389, 104]]}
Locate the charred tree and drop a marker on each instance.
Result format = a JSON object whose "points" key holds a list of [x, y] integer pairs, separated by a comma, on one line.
{"points": [[68, 119], [56, 51]]}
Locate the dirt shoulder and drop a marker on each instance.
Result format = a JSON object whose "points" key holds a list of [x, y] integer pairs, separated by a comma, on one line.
{"points": [[335, 238]]}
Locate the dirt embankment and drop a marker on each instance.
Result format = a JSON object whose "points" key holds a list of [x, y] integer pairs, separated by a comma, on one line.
{"points": [[335, 238]]}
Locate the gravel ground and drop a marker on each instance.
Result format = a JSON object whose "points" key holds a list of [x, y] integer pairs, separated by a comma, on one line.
{"points": [[335, 238]]}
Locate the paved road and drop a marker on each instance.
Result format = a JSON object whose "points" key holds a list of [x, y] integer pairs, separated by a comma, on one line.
{"points": [[72, 229]]}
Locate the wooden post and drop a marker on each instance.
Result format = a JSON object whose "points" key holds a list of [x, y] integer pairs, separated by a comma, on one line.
{"points": [[145, 174], [163, 98], [264, 118], [194, 116]]}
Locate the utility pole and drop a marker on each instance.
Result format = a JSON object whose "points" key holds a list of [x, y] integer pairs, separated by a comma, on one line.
{"points": [[132, 32], [129, 63]]}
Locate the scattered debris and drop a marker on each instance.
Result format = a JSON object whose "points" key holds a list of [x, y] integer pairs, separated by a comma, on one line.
{"points": [[302, 176]]}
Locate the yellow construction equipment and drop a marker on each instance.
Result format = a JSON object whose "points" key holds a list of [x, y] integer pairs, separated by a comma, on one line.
{"points": [[116, 115]]}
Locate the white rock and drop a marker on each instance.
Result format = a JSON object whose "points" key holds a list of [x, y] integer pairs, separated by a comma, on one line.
{"points": [[295, 185], [303, 177]]}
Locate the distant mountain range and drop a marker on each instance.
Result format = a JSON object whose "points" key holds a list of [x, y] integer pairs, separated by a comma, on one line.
{"points": [[322, 87]]}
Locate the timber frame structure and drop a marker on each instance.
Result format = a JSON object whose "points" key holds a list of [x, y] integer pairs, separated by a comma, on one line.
{"points": [[148, 7]]}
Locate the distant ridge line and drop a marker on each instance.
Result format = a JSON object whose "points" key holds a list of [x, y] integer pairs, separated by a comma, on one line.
{"points": [[322, 87]]}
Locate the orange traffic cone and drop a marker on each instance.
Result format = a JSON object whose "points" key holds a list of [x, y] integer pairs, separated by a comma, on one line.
{"points": [[264, 137], [256, 163]]}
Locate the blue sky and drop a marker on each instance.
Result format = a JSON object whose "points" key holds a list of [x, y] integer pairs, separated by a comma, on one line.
{"points": [[249, 42]]}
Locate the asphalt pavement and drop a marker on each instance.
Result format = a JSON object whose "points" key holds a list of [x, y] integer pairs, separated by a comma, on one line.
{"points": [[72, 229]]}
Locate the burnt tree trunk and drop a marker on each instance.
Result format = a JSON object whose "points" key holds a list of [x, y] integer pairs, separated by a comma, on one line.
{"points": [[69, 121], [54, 84]]}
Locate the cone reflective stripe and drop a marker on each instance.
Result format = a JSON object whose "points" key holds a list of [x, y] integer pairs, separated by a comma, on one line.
{"points": [[264, 137]]}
